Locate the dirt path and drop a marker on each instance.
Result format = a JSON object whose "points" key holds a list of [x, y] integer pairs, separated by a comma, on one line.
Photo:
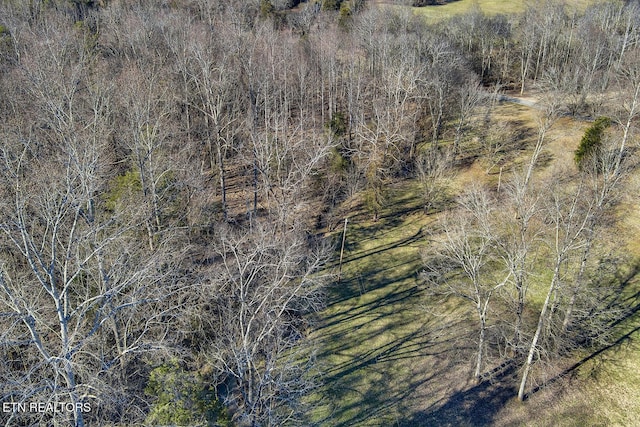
{"points": [[526, 101]]}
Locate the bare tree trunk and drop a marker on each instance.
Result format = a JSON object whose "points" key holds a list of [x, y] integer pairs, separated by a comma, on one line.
{"points": [[575, 289], [570, 220], [223, 187], [482, 316], [545, 124], [536, 336], [344, 237]]}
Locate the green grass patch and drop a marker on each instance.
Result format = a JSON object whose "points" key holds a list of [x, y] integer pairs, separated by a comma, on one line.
{"points": [[389, 358], [489, 7], [373, 330]]}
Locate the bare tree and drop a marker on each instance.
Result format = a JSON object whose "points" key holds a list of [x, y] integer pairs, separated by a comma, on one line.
{"points": [[434, 171], [517, 237], [213, 74], [470, 95], [445, 70], [569, 218], [523, 230], [464, 261], [264, 283], [72, 269], [542, 43]]}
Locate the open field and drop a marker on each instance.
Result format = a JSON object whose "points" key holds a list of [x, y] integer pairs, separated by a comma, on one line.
{"points": [[490, 7], [380, 345], [392, 357]]}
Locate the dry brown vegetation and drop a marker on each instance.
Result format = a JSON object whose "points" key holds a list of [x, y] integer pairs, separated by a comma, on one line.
{"points": [[175, 177]]}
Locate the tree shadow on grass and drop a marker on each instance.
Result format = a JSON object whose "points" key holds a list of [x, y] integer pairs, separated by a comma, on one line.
{"points": [[376, 273], [389, 299], [629, 321], [349, 247], [371, 335], [624, 339], [374, 383], [476, 406], [370, 382], [411, 345]]}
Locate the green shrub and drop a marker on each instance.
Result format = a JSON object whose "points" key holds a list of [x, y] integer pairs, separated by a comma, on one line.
{"points": [[338, 162], [591, 142], [183, 398], [122, 188], [6, 48], [331, 4], [338, 124], [266, 8], [345, 14]]}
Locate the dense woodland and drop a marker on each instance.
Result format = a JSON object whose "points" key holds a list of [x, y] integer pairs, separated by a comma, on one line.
{"points": [[169, 170]]}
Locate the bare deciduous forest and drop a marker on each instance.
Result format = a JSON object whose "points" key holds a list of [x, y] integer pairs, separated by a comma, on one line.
{"points": [[320, 213]]}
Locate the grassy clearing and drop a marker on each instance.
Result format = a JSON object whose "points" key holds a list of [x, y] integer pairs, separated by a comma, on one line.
{"points": [[374, 327], [489, 7], [388, 359]]}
